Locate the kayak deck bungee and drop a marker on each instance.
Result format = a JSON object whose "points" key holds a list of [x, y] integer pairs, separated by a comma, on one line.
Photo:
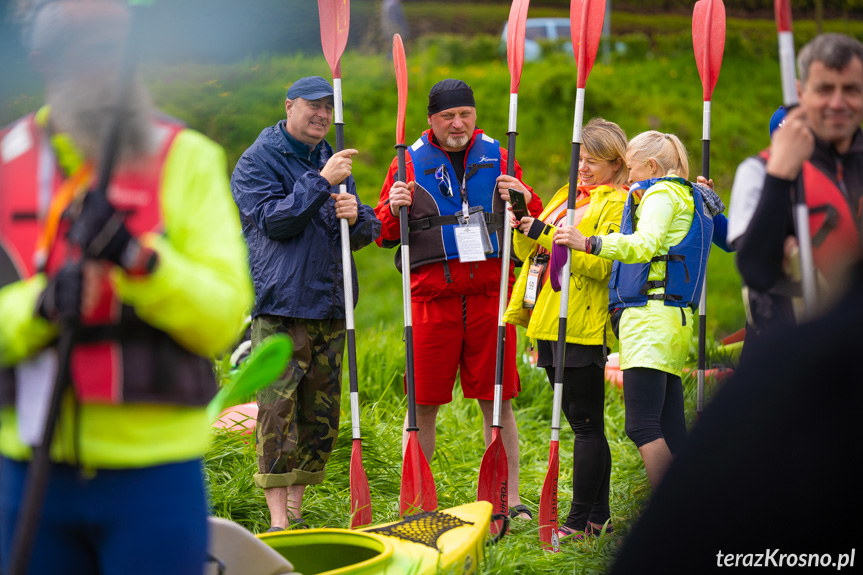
{"points": [[448, 540]]}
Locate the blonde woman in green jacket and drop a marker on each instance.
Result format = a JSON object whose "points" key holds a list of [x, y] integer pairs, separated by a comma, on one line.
{"points": [[535, 305], [654, 338]]}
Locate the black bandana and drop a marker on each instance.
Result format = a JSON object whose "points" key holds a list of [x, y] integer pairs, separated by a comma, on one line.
{"points": [[448, 94]]}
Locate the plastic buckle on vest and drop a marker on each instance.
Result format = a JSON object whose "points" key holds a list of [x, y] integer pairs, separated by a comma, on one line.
{"points": [[446, 272], [673, 258], [652, 285], [682, 259], [493, 221], [665, 296]]}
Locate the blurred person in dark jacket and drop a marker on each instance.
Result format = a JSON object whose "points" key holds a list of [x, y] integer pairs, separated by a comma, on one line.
{"points": [[284, 186], [821, 140]]}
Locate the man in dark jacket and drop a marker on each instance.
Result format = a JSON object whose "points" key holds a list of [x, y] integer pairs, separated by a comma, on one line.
{"points": [[822, 139], [283, 185]]}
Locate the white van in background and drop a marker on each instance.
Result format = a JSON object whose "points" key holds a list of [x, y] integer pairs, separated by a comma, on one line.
{"points": [[536, 29]]}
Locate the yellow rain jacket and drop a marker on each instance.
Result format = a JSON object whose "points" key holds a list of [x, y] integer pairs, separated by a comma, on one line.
{"points": [[199, 294], [588, 288], [654, 336]]}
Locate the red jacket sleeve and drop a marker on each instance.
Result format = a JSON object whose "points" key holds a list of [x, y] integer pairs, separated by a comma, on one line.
{"points": [[389, 222], [534, 207]]}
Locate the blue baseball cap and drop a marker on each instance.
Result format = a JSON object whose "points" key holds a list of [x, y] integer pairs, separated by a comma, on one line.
{"points": [[309, 88], [777, 119]]}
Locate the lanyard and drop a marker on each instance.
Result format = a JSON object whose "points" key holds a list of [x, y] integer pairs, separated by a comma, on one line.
{"points": [[582, 200]]}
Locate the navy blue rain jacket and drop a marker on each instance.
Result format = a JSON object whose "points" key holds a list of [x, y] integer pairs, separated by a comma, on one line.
{"points": [[290, 225]]}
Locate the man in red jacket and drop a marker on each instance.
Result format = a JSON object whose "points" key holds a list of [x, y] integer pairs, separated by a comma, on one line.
{"points": [[455, 170]]}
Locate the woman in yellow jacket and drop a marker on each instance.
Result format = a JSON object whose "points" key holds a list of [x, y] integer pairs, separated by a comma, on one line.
{"points": [[535, 305]]}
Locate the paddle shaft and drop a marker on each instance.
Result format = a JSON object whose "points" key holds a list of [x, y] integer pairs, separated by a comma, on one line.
{"points": [[39, 469], [564, 300], [347, 272], [553, 470], [406, 298], [360, 503], [702, 302], [503, 296], [801, 210], [566, 271]]}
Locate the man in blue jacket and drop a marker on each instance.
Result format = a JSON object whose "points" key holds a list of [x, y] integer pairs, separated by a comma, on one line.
{"points": [[284, 187]]}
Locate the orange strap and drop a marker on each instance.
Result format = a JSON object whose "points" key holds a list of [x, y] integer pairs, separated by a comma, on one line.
{"points": [[72, 187]]}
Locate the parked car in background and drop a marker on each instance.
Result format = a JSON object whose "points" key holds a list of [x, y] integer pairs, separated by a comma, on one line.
{"points": [[542, 29]]}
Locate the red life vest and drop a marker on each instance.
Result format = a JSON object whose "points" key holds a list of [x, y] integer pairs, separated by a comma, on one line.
{"points": [[118, 357], [834, 232]]}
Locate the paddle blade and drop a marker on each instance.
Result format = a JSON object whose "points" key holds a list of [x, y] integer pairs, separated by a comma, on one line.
{"points": [[548, 503], [418, 489], [400, 64], [782, 10], [335, 17], [493, 478], [266, 362], [361, 500], [515, 42], [585, 19], [708, 42]]}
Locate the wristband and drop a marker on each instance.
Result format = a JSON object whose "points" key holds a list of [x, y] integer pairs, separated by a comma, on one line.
{"points": [[537, 228], [587, 245]]}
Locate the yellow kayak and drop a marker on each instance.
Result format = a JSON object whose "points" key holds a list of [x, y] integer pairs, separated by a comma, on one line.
{"points": [[451, 540]]}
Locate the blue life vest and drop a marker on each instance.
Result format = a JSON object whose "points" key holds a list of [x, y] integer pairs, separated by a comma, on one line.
{"points": [[438, 197], [685, 263]]}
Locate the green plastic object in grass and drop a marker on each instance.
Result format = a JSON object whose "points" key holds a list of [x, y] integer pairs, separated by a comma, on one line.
{"points": [[266, 362]]}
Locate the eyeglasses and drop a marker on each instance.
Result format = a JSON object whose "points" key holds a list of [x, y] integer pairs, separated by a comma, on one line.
{"points": [[443, 185]]}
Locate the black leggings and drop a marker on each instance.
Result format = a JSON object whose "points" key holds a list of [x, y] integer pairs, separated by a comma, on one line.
{"points": [[584, 406], [654, 407]]}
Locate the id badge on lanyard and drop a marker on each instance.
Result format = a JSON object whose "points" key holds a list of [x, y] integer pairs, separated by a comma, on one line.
{"points": [[471, 235], [534, 280]]}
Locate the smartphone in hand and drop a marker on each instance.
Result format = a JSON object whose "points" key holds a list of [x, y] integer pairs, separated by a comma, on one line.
{"points": [[519, 205]]}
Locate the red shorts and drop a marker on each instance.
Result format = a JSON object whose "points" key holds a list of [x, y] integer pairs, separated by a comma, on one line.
{"points": [[441, 349]]}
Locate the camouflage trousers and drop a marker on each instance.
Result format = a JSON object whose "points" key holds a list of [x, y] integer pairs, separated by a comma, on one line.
{"points": [[298, 414]]}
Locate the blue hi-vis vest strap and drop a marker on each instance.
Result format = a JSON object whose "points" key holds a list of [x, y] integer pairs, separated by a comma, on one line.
{"points": [[685, 263], [432, 214]]}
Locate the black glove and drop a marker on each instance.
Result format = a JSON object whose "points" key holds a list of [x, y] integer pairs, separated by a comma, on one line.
{"points": [[60, 301], [99, 231]]}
